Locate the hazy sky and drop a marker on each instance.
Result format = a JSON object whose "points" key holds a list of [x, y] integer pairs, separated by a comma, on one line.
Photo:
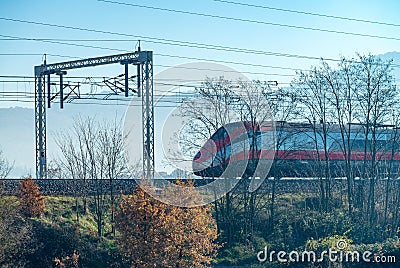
{"points": [[265, 43]]}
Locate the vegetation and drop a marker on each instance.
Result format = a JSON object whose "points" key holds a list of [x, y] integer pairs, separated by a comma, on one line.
{"points": [[68, 261], [31, 201], [16, 235], [57, 236], [93, 151], [5, 166], [153, 233]]}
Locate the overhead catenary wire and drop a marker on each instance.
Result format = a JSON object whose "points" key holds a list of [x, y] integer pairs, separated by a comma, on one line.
{"points": [[88, 79], [156, 40], [99, 103], [308, 13], [171, 42], [167, 55], [249, 20], [177, 56], [167, 42], [64, 41], [5, 94], [36, 54]]}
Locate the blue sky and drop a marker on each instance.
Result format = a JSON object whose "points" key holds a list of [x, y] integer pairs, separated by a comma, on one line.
{"points": [[138, 21], [130, 23]]}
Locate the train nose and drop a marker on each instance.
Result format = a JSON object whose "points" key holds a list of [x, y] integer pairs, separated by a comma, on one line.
{"points": [[204, 158]]}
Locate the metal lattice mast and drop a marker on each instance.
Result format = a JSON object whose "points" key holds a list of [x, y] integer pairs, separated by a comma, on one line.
{"points": [[148, 118], [40, 127], [144, 62]]}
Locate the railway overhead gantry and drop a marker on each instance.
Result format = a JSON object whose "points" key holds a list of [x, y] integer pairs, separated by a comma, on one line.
{"points": [[144, 62]]}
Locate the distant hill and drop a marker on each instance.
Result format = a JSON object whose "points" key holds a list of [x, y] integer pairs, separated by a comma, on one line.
{"points": [[396, 60], [17, 138], [17, 130]]}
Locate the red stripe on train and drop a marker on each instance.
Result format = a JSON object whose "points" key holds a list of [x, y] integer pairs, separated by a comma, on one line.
{"points": [[306, 155]]}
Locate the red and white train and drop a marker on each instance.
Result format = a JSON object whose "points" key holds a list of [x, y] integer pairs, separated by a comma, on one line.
{"points": [[294, 150]]}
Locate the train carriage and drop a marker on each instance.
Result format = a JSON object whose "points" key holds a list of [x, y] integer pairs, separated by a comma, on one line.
{"points": [[296, 149]]}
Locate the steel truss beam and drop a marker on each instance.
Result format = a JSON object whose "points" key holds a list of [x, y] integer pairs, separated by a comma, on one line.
{"points": [[144, 62]]}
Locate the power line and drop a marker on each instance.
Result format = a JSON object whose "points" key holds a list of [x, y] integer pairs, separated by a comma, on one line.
{"points": [[36, 54], [164, 41], [87, 79], [69, 39], [170, 42], [179, 80], [228, 62], [247, 64], [23, 54], [163, 55], [65, 43], [181, 57], [98, 103], [20, 54], [162, 100], [249, 20], [167, 55], [308, 13]]}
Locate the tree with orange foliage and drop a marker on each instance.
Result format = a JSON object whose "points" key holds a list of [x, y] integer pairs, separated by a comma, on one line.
{"points": [[155, 234], [30, 199]]}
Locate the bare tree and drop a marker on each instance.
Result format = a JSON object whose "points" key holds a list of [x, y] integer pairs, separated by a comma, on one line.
{"points": [[93, 152], [111, 145], [357, 92], [235, 213], [5, 166], [390, 168], [284, 106], [375, 92], [74, 163], [219, 94], [341, 86], [314, 97]]}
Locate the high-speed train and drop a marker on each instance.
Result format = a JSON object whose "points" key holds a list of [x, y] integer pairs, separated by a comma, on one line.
{"points": [[236, 150], [240, 149]]}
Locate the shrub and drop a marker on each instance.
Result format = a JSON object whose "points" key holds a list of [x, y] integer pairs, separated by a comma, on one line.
{"points": [[30, 198]]}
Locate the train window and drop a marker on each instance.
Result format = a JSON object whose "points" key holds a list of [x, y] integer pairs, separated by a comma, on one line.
{"points": [[282, 138], [290, 140], [264, 140], [301, 141]]}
